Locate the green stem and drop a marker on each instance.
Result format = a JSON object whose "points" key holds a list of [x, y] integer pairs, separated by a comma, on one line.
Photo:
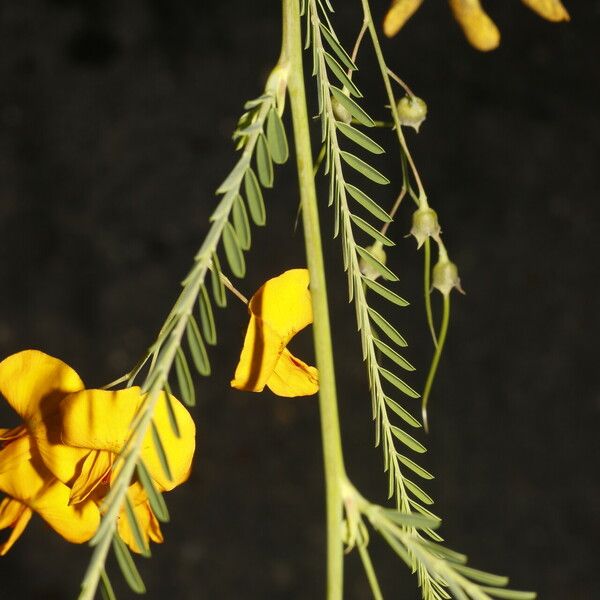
{"points": [[436, 359], [330, 428], [427, 290]]}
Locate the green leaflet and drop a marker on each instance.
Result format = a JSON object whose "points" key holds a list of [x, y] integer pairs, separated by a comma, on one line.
{"points": [[368, 203], [197, 347], [276, 138], [392, 354], [402, 412], [370, 230], [128, 568], [354, 109], [376, 264], [171, 410], [410, 519], [160, 452], [184, 379], [509, 594], [337, 48], [359, 138], [339, 72], [254, 196], [418, 492], [157, 502], [414, 467], [264, 164], [408, 440], [233, 251], [387, 328], [241, 224], [482, 576], [394, 380], [385, 292], [106, 589], [218, 288], [443, 551], [135, 527], [364, 168], [207, 319]]}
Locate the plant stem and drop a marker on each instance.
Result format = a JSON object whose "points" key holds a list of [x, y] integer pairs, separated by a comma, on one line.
{"points": [[330, 428], [436, 359]]}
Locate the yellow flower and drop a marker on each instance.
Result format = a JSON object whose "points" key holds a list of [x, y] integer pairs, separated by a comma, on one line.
{"points": [[477, 26], [29, 488], [79, 432], [278, 311]]}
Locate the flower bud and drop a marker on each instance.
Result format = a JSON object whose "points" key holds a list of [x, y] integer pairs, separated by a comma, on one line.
{"points": [[412, 111], [340, 112], [445, 277], [377, 252], [425, 225]]}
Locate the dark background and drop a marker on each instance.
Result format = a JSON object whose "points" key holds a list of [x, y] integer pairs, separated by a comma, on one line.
{"points": [[115, 120]]}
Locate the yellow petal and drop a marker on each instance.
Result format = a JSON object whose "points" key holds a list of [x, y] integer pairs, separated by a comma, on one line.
{"points": [[101, 420], [293, 377], [30, 483], [94, 471], [63, 461], [552, 10], [260, 353], [16, 515], [284, 303], [15, 452], [33, 383], [477, 26], [397, 15], [148, 523], [76, 523], [179, 450]]}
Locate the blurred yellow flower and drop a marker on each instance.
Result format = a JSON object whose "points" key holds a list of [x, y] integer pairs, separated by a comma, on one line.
{"points": [[71, 437], [278, 311], [477, 26], [30, 487]]}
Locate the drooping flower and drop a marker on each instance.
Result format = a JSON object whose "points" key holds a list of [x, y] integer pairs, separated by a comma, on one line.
{"points": [[30, 487], [78, 433], [278, 311], [478, 27]]}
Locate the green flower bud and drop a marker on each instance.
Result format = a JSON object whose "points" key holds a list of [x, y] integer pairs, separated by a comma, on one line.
{"points": [[445, 277], [340, 112], [365, 268], [425, 225], [412, 111]]}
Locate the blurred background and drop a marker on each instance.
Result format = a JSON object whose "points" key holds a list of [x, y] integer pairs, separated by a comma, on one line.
{"points": [[115, 124]]}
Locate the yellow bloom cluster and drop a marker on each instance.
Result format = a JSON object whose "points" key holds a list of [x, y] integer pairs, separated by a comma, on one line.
{"points": [[477, 26], [59, 461]]}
